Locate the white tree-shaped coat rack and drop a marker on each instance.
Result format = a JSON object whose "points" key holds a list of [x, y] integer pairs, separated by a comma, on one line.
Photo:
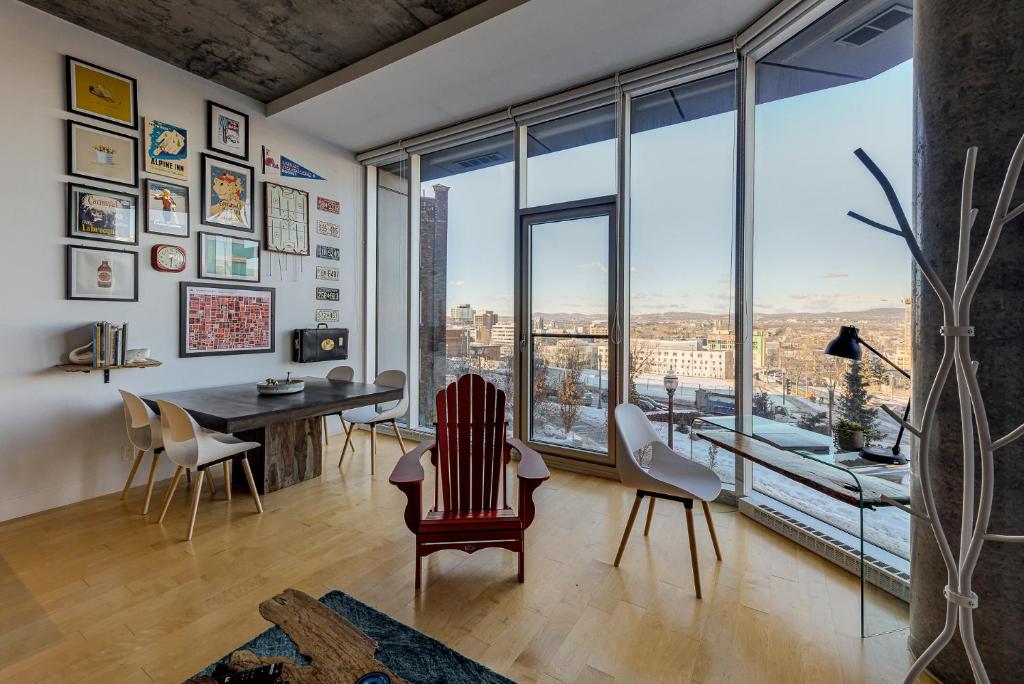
{"points": [[957, 332]]}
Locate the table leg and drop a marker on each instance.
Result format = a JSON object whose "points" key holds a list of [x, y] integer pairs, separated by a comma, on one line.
{"points": [[291, 452]]}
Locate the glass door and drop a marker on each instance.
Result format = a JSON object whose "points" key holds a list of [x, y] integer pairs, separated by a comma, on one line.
{"points": [[567, 356]]}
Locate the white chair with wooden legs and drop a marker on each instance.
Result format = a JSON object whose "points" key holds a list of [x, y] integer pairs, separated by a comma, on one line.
{"points": [[143, 428], [190, 446], [670, 476], [372, 417], [339, 374]]}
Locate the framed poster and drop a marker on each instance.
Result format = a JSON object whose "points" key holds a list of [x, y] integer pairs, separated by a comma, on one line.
{"points": [[102, 155], [223, 257], [98, 214], [286, 214], [227, 194], [221, 320], [167, 208], [102, 274], [227, 130], [166, 149], [101, 93]]}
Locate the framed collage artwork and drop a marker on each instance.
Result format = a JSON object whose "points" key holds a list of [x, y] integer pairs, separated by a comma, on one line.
{"points": [[167, 211], [286, 214], [220, 320], [102, 155], [227, 194], [101, 94], [96, 273], [99, 214], [225, 257], [227, 131]]}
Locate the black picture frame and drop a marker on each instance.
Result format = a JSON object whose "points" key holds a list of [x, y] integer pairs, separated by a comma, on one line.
{"points": [[73, 214], [72, 125], [201, 253], [183, 289], [70, 96], [147, 190], [69, 274], [210, 104], [267, 227], [206, 158]]}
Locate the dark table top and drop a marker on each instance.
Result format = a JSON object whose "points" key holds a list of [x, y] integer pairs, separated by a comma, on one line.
{"points": [[232, 408]]}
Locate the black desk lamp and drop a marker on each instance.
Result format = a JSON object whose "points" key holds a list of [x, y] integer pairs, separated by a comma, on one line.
{"points": [[847, 345]]}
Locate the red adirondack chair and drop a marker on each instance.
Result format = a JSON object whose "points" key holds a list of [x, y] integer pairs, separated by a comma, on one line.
{"points": [[470, 456]]}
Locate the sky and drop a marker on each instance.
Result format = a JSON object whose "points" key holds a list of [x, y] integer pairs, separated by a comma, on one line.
{"points": [[809, 256]]}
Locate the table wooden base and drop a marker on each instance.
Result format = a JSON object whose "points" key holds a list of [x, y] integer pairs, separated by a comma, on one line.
{"points": [[291, 453]]}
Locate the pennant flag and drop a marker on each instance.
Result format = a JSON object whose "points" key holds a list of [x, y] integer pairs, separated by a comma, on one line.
{"points": [[295, 170]]}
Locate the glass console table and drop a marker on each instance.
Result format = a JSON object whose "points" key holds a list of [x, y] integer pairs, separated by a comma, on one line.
{"points": [[809, 459]]}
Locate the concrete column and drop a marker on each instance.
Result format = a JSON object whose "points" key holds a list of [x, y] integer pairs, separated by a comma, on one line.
{"points": [[969, 90]]}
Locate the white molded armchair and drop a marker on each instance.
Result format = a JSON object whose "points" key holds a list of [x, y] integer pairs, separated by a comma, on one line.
{"points": [[670, 476]]}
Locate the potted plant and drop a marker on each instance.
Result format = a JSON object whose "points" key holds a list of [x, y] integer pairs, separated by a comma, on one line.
{"points": [[848, 435]]}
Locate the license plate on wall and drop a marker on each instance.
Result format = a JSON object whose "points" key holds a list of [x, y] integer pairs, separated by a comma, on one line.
{"points": [[325, 252], [328, 294], [326, 316], [327, 273]]}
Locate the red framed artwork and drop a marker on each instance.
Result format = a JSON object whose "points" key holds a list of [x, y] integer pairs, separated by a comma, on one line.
{"points": [[225, 319]]}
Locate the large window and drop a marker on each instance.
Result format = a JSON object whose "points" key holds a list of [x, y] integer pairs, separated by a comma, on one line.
{"points": [[467, 255], [393, 267], [829, 90], [682, 239], [571, 158]]}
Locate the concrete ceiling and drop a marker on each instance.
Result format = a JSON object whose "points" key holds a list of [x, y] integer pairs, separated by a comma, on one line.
{"points": [[529, 51], [262, 48]]}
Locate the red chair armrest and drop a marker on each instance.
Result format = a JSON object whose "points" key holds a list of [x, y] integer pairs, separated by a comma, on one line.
{"points": [[408, 476], [531, 465], [532, 471], [409, 469]]}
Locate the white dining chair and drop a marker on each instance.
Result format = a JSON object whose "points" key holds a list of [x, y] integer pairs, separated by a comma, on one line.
{"points": [[143, 427], [190, 446], [670, 476], [372, 416], [339, 374]]}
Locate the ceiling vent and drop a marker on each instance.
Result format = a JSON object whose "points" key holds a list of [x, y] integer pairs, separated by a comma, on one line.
{"points": [[871, 29], [484, 159]]}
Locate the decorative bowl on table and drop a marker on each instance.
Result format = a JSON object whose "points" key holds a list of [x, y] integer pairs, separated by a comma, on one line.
{"points": [[280, 386]]}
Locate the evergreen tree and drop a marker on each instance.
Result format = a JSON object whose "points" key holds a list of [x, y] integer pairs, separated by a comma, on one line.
{"points": [[853, 404]]}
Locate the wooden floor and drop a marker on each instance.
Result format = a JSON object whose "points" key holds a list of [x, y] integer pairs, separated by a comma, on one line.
{"points": [[93, 593]]}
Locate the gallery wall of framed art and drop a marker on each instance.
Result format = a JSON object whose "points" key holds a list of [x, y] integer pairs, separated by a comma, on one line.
{"points": [[62, 228]]}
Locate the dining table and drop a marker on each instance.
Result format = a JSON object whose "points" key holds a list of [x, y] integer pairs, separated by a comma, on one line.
{"points": [[287, 426]]}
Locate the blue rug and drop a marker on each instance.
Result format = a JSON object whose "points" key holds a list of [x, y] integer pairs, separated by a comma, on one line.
{"points": [[407, 652]]}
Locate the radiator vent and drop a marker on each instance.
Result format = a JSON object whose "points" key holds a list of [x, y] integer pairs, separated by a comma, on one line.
{"points": [[871, 29], [879, 573]]}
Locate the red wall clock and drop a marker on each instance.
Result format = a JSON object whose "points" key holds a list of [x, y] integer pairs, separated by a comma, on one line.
{"points": [[169, 258]]}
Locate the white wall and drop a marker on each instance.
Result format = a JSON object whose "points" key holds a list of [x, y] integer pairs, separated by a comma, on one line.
{"points": [[62, 434]]}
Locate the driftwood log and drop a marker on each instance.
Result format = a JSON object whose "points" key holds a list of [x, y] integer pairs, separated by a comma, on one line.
{"points": [[336, 649]]}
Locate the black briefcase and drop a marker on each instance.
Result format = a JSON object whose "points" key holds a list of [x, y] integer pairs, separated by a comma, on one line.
{"points": [[319, 344]]}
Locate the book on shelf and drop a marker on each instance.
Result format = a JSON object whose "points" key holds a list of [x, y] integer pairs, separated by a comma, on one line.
{"points": [[109, 343]]}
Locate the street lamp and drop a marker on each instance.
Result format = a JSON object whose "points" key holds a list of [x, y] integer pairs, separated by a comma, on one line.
{"points": [[847, 345], [671, 384]]}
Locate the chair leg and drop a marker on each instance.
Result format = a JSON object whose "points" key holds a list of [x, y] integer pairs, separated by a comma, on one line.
{"points": [[188, 476], [195, 503], [401, 442], [419, 567], [522, 564], [650, 516], [373, 450], [693, 547], [131, 475], [347, 427], [323, 429], [252, 484], [149, 483], [629, 526], [348, 438], [711, 529], [227, 479], [170, 494], [209, 481]]}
